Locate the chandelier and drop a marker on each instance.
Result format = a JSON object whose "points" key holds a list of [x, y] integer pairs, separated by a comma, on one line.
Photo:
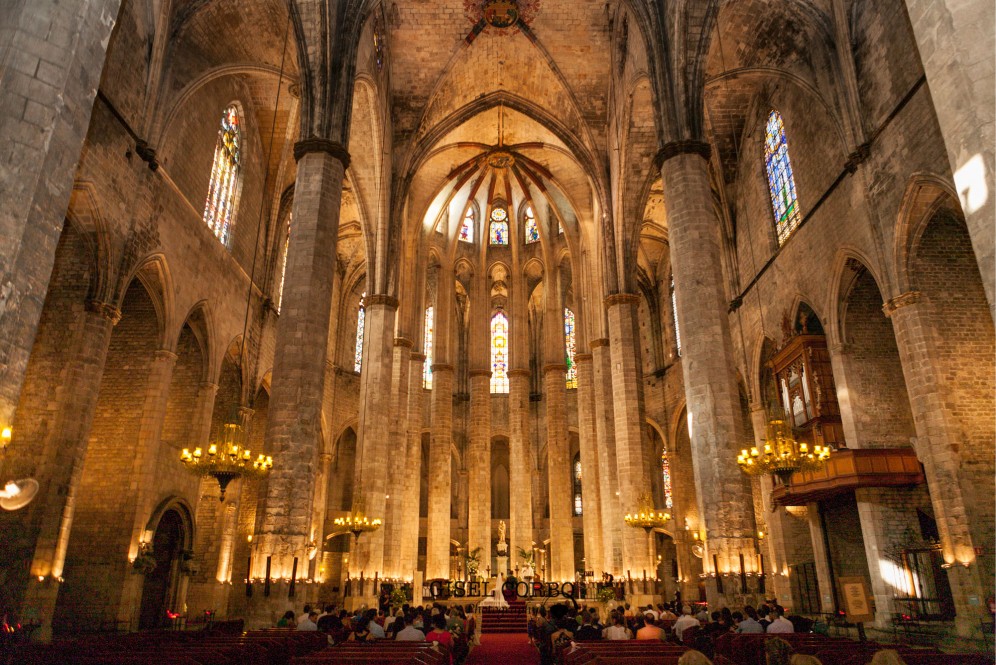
{"points": [[646, 517], [782, 454], [357, 523], [227, 460]]}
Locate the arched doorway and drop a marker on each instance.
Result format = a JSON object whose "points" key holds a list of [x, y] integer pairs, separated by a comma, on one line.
{"points": [[159, 591]]}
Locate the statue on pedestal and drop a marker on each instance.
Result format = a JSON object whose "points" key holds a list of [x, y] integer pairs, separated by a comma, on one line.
{"points": [[502, 545]]}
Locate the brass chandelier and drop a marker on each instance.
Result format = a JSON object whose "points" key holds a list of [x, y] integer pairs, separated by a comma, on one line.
{"points": [[646, 517], [227, 460], [782, 454]]}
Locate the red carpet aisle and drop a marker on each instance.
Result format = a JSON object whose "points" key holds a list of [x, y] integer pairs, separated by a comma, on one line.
{"points": [[504, 649]]}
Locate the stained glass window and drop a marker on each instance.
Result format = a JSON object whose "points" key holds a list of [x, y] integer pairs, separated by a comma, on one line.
{"points": [[499, 352], [283, 267], [467, 226], [427, 350], [576, 478], [361, 316], [666, 477], [532, 228], [499, 226], [569, 343], [219, 209], [781, 182], [674, 315]]}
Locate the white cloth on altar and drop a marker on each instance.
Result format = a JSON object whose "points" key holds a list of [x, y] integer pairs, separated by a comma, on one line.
{"points": [[497, 598]]}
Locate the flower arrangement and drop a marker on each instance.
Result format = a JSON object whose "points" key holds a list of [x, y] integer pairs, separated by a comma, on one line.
{"points": [[606, 594], [473, 561]]}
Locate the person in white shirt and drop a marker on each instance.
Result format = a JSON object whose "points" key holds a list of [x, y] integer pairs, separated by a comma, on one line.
{"points": [[780, 623], [407, 633], [686, 620], [309, 622], [618, 629]]}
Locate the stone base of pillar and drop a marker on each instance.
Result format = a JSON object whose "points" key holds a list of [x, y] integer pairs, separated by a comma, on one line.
{"points": [[39, 605], [264, 611]]}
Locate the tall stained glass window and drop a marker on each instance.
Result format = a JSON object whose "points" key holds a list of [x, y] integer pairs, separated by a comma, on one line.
{"points": [[666, 480], [569, 351], [576, 484], [427, 350], [499, 352], [283, 267], [361, 316], [674, 317], [781, 182], [532, 228], [499, 225], [219, 209], [467, 226]]}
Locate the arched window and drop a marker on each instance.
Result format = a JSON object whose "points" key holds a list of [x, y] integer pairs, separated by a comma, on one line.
{"points": [[674, 315], [532, 228], [570, 348], [499, 225], [781, 182], [576, 484], [427, 350], [361, 316], [219, 210], [467, 226], [283, 266], [499, 352], [666, 478]]}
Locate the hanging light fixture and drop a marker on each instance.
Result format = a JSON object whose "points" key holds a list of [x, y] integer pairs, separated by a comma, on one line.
{"points": [[782, 455], [357, 523], [226, 460], [646, 517], [15, 494]]}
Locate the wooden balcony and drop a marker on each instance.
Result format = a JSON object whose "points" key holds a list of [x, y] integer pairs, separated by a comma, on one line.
{"points": [[849, 469]]}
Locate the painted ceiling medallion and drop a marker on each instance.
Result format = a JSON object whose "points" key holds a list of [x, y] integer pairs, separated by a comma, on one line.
{"points": [[499, 159], [501, 14]]}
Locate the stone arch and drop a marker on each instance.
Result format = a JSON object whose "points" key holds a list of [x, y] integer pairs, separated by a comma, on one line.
{"points": [[154, 274], [846, 264], [925, 194], [85, 215]]}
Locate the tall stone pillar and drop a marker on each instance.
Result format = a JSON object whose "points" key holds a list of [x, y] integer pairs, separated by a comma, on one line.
{"points": [[61, 464], [372, 454], [591, 483], [937, 448], [479, 464], [775, 536], [558, 469], [520, 528], [412, 476], [60, 49], [821, 559], [711, 391], [956, 45], [398, 510], [611, 508], [437, 558], [633, 467], [294, 417]]}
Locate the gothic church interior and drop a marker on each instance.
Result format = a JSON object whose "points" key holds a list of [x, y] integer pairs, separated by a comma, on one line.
{"points": [[306, 299]]}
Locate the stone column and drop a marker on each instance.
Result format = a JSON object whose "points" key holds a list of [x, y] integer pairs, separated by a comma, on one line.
{"points": [[633, 467], [372, 455], [398, 510], [437, 560], [821, 557], [956, 46], [591, 509], [937, 448], [413, 467], [294, 417], [558, 469], [57, 52], [520, 528], [611, 508], [479, 463], [711, 391], [775, 536], [61, 462]]}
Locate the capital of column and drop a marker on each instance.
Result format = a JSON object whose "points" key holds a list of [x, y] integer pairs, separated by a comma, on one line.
{"points": [[839, 348], [246, 413], [328, 146], [104, 309], [518, 372], [900, 301], [164, 356], [479, 372], [598, 343], [404, 341], [582, 357], [554, 367], [683, 147], [441, 367], [208, 385], [621, 299], [417, 357], [381, 299], [325, 458]]}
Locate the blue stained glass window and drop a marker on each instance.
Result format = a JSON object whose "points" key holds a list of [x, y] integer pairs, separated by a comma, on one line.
{"points": [[219, 209], [781, 182], [427, 350], [499, 352], [467, 226], [532, 228], [576, 478], [361, 316], [499, 226], [570, 342]]}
